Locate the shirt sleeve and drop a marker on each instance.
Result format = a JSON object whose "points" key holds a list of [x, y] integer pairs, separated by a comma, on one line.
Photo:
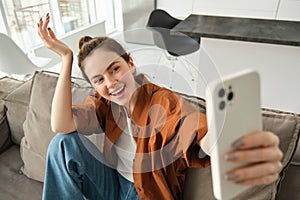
{"points": [[183, 127], [85, 117], [192, 127]]}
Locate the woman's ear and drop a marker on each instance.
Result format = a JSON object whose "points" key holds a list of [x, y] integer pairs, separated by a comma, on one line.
{"points": [[131, 63]]}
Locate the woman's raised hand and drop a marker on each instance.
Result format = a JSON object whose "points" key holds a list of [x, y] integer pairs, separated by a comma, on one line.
{"points": [[49, 39]]}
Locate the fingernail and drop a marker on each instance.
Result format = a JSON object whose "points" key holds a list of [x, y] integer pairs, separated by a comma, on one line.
{"points": [[47, 15], [230, 177], [230, 157], [49, 28], [38, 25], [238, 144], [41, 19]]}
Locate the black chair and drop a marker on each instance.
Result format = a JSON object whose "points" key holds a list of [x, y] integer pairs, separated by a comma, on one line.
{"points": [[160, 23]]}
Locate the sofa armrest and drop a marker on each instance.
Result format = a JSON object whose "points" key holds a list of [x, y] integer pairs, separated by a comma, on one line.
{"points": [[289, 188], [5, 140]]}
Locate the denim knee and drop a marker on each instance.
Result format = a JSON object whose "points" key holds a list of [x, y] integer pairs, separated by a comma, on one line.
{"points": [[61, 144]]}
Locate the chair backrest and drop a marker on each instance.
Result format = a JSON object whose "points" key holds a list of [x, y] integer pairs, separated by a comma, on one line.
{"points": [[12, 59], [161, 19], [161, 23]]}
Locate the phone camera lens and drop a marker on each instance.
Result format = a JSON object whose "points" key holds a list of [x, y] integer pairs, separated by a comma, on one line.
{"points": [[222, 105], [230, 96], [221, 92]]}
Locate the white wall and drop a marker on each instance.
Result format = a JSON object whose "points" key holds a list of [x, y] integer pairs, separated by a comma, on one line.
{"points": [[238, 8], [176, 8], [268, 9], [289, 10], [278, 65]]}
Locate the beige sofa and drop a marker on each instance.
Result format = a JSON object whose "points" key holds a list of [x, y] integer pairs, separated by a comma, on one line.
{"points": [[25, 134]]}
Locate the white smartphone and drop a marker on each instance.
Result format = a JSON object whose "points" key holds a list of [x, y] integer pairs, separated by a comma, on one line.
{"points": [[233, 109]]}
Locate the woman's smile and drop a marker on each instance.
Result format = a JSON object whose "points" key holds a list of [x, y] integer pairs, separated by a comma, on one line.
{"points": [[119, 91]]}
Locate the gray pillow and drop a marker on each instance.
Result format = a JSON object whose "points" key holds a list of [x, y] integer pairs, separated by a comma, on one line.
{"points": [[37, 130], [7, 85], [17, 105]]}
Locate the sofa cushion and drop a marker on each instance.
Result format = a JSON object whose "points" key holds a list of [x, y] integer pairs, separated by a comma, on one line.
{"points": [[14, 185], [4, 129], [7, 85], [286, 126], [37, 129], [17, 105]]}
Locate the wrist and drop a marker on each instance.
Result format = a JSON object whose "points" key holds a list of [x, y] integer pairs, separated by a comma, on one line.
{"points": [[205, 144], [67, 57]]}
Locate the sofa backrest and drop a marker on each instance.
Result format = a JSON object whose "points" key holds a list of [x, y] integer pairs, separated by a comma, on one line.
{"points": [[25, 97]]}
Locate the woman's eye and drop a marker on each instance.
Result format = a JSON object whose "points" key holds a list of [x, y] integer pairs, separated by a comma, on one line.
{"points": [[98, 80], [115, 69]]}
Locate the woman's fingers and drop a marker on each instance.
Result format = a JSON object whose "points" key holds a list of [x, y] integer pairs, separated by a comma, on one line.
{"points": [[257, 174], [42, 30], [256, 139], [260, 150], [255, 147], [254, 155], [46, 22], [261, 180], [51, 34], [49, 38]]}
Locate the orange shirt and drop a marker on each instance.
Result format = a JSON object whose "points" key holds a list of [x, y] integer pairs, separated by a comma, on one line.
{"points": [[166, 129]]}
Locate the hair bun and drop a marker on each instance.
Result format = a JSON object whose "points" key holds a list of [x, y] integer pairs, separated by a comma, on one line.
{"points": [[84, 40]]}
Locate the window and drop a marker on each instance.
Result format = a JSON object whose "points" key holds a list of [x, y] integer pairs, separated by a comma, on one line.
{"points": [[20, 17], [74, 14]]}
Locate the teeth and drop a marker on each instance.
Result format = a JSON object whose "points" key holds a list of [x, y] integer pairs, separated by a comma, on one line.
{"points": [[118, 91]]}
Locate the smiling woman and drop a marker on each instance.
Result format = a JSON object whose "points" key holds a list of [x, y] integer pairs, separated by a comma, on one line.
{"points": [[149, 130]]}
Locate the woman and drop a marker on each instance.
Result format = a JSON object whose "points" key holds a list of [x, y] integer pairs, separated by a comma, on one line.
{"points": [[151, 134]]}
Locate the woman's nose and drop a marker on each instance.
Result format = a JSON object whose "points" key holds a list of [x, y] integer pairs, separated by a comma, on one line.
{"points": [[111, 82]]}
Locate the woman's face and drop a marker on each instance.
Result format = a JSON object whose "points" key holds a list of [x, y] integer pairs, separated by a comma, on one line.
{"points": [[110, 75]]}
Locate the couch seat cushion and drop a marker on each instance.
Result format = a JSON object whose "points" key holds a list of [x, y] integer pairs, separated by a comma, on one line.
{"points": [[13, 185]]}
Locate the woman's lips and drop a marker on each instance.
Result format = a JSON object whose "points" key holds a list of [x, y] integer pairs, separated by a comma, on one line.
{"points": [[118, 91]]}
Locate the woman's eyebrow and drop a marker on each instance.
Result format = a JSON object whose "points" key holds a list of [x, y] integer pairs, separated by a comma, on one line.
{"points": [[110, 65], [96, 76], [107, 69]]}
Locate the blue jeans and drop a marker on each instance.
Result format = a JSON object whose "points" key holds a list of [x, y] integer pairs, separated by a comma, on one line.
{"points": [[72, 172]]}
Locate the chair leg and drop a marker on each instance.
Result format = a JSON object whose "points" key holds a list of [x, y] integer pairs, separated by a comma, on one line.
{"points": [[157, 67], [173, 59]]}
